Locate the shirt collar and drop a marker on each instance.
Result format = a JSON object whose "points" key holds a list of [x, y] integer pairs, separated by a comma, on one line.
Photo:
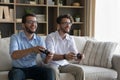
{"points": [[59, 37], [24, 36]]}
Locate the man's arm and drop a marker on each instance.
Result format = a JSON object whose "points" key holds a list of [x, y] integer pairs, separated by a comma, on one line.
{"points": [[68, 56], [15, 50], [21, 53]]}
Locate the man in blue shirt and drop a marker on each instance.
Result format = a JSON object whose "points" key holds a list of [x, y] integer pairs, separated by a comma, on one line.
{"points": [[24, 47]]}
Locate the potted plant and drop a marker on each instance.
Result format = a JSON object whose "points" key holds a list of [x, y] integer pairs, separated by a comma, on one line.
{"points": [[77, 18], [28, 10]]}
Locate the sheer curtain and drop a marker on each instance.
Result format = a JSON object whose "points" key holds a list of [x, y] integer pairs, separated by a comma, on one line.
{"points": [[107, 20]]}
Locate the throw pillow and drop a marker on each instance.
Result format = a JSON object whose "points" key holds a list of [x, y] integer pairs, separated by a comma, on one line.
{"points": [[99, 53], [80, 44]]}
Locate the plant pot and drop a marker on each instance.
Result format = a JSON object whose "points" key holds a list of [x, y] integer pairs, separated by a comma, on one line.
{"points": [[77, 19]]}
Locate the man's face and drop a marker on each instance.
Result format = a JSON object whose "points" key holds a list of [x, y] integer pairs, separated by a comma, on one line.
{"points": [[31, 24], [65, 25]]}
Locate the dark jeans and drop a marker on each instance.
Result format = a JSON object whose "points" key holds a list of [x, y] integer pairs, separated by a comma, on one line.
{"points": [[35, 72]]}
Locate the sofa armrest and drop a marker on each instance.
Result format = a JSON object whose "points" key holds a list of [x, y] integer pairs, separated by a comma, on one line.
{"points": [[116, 64]]}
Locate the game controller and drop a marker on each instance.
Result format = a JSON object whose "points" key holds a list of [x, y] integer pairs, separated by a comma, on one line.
{"points": [[79, 56], [45, 51]]}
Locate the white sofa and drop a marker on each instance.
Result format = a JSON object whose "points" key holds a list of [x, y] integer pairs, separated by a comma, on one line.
{"points": [[90, 72]]}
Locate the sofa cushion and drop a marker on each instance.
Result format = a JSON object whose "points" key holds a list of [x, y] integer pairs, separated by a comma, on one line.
{"points": [[98, 73], [80, 42], [4, 75], [99, 53], [5, 60], [66, 76]]}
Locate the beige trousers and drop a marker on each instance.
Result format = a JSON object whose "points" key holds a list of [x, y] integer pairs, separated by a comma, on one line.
{"points": [[74, 69]]}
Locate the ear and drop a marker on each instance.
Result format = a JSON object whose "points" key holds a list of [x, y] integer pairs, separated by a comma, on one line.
{"points": [[58, 26], [23, 25]]}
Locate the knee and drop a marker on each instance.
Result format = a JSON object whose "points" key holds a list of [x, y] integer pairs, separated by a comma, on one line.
{"points": [[55, 68], [16, 72], [79, 70], [51, 70]]}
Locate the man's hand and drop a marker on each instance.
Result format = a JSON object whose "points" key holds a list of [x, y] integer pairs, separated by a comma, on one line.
{"points": [[49, 57], [37, 49], [70, 56]]}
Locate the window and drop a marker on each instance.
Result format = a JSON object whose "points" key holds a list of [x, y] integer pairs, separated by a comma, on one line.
{"points": [[107, 20]]}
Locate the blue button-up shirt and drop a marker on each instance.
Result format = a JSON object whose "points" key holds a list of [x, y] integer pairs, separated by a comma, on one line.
{"points": [[20, 42]]}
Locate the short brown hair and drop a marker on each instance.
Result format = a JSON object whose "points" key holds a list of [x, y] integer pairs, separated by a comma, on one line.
{"points": [[26, 15], [59, 19]]}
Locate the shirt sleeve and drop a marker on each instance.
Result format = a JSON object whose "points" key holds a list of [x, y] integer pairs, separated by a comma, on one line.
{"points": [[50, 43], [13, 44], [73, 47], [42, 43]]}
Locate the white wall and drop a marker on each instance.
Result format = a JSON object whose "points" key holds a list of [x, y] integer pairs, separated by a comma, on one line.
{"points": [[107, 20]]}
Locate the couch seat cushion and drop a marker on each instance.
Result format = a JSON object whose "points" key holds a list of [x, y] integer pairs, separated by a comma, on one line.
{"points": [[4, 75], [63, 76], [98, 73], [66, 76]]}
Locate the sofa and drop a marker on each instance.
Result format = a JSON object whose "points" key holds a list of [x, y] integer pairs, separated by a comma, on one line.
{"points": [[101, 60]]}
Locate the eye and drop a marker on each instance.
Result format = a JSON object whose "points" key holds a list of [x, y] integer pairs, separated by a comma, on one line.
{"points": [[66, 23], [31, 22]]}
